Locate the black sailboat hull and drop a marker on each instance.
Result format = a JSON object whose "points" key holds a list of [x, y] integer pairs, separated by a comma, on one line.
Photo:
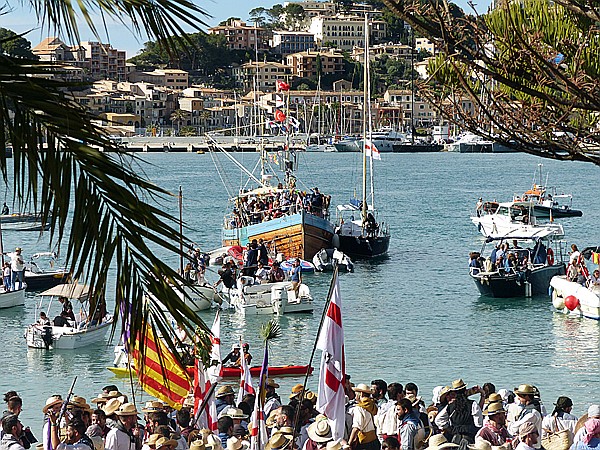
{"points": [[364, 247]]}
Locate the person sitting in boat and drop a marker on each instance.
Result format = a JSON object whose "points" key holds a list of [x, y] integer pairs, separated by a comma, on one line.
{"points": [[276, 274], [371, 225], [594, 278], [233, 356], [187, 273], [247, 355], [61, 320], [67, 307], [262, 273], [572, 273]]}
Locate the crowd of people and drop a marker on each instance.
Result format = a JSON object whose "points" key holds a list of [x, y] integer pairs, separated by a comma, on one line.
{"points": [[261, 207], [377, 416]]}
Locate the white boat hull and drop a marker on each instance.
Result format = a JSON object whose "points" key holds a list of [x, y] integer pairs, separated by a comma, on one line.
{"points": [[201, 297], [67, 338], [498, 226], [589, 299], [8, 299], [271, 298]]}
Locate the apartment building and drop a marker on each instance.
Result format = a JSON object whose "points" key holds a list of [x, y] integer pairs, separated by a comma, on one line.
{"points": [[424, 112], [346, 32], [240, 36], [103, 61], [287, 42], [304, 64], [174, 79], [266, 75]]}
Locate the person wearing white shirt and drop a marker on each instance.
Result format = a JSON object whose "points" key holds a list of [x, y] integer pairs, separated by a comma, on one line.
{"points": [[523, 410], [17, 266], [122, 437], [262, 273], [560, 419]]}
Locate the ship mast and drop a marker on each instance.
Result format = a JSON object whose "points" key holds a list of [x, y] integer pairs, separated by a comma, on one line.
{"points": [[365, 118]]}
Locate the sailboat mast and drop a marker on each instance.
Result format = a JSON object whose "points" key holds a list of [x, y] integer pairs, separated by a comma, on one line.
{"points": [[180, 231], [365, 113]]}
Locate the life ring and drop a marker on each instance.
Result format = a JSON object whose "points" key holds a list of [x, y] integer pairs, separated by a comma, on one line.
{"points": [[550, 257]]}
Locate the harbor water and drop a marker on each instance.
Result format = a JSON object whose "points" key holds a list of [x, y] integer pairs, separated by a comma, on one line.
{"points": [[415, 316]]}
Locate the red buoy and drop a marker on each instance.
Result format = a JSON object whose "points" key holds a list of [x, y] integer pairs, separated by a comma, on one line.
{"points": [[571, 302]]}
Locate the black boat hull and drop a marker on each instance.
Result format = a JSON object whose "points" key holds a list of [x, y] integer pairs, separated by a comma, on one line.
{"points": [[361, 247], [41, 282], [507, 286], [417, 148], [543, 212]]}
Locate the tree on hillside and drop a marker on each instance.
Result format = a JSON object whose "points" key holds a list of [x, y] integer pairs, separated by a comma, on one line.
{"points": [[259, 16], [110, 219], [12, 44], [294, 16], [529, 68]]}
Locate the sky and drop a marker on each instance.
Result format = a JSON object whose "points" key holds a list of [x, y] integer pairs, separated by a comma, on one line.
{"points": [[22, 20]]}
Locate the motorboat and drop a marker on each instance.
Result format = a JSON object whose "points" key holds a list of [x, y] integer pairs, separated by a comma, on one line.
{"points": [[8, 299], [23, 222], [327, 258], [510, 218], [470, 143], [200, 297], [574, 299], [348, 145], [252, 298], [528, 275], [305, 266], [43, 271], [85, 330]]}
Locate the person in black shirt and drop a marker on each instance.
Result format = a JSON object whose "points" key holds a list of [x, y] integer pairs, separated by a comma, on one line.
{"points": [[226, 277]]}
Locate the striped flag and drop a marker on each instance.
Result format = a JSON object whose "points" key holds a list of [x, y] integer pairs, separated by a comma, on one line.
{"points": [[245, 378], [159, 372], [370, 146], [331, 398], [214, 371], [258, 432]]}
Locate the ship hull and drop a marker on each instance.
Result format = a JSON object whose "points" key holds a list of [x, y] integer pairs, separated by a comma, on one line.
{"points": [[299, 235]]}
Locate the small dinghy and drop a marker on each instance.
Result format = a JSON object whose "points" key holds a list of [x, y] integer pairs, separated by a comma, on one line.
{"points": [[327, 258], [306, 266]]}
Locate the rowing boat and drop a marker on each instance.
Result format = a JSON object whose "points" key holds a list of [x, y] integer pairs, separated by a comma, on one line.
{"points": [[234, 372]]}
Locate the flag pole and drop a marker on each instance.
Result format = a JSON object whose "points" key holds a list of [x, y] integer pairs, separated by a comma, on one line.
{"points": [[312, 355]]}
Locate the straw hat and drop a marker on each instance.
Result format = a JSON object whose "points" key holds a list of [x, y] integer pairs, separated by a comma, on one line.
{"points": [[198, 444], [152, 406], [163, 441], [525, 389], [234, 443], [526, 428], [480, 444], [363, 388], [286, 431], [153, 438], [235, 413], [494, 398], [280, 441], [113, 394], [333, 445], [50, 402], [320, 431], [443, 393], [271, 383], [457, 385], [438, 441], [188, 402], [494, 408], [310, 395], [79, 402], [224, 391], [128, 409], [297, 390], [101, 399], [272, 419], [213, 442], [111, 406]]}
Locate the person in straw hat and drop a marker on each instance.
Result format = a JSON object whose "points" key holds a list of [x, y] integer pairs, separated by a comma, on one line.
{"points": [[165, 443], [591, 441], [461, 417], [319, 433], [234, 443], [282, 440], [54, 404], [593, 412], [561, 418], [122, 437], [272, 400], [528, 436], [363, 435], [110, 408], [439, 442], [197, 444], [524, 410], [494, 428], [213, 443], [224, 399]]}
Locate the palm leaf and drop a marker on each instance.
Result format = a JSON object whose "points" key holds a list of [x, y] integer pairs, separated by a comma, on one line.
{"points": [[270, 330]]}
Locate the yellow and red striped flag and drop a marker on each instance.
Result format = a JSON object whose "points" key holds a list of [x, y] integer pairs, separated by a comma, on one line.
{"points": [[159, 372]]}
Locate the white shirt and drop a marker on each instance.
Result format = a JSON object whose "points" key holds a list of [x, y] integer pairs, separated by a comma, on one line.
{"points": [[117, 440], [530, 415], [566, 422], [574, 256], [17, 263], [362, 420], [524, 446]]}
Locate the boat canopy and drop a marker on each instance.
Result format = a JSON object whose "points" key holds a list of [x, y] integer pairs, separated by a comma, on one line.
{"points": [[525, 235], [75, 291], [260, 191]]}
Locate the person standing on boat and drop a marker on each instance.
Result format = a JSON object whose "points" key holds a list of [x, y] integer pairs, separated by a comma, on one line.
{"points": [[296, 277], [5, 211], [263, 253], [17, 266], [479, 207], [6, 276]]}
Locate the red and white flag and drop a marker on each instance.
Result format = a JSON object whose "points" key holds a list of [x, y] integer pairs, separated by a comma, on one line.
{"points": [[370, 147], [257, 427], [245, 378], [331, 398], [204, 379]]}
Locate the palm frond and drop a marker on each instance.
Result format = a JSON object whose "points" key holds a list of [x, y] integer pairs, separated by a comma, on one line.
{"points": [[270, 330], [61, 158]]}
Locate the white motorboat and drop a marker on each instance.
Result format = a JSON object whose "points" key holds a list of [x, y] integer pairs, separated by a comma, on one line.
{"points": [[8, 299], [327, 258], [251, 298], [512, 218], [201, 297], [81, 332], [584, 301], [470, 143]]}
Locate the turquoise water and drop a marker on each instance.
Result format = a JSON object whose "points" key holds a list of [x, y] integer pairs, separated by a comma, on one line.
{"points": [[415, 316]]}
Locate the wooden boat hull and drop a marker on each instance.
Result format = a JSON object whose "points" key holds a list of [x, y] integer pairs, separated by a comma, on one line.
{"points": [[8, 299], [234, 372], [299, 235]]}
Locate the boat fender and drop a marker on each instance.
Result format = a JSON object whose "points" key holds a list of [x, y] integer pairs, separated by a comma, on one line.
{"points": [[550, 256], [571, 302], [557, 300]]}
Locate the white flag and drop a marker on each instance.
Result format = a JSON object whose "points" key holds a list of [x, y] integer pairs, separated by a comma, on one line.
{"points": [[370, 145], [245, 378], [279, 101], [214, 371], [331, 398]]}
